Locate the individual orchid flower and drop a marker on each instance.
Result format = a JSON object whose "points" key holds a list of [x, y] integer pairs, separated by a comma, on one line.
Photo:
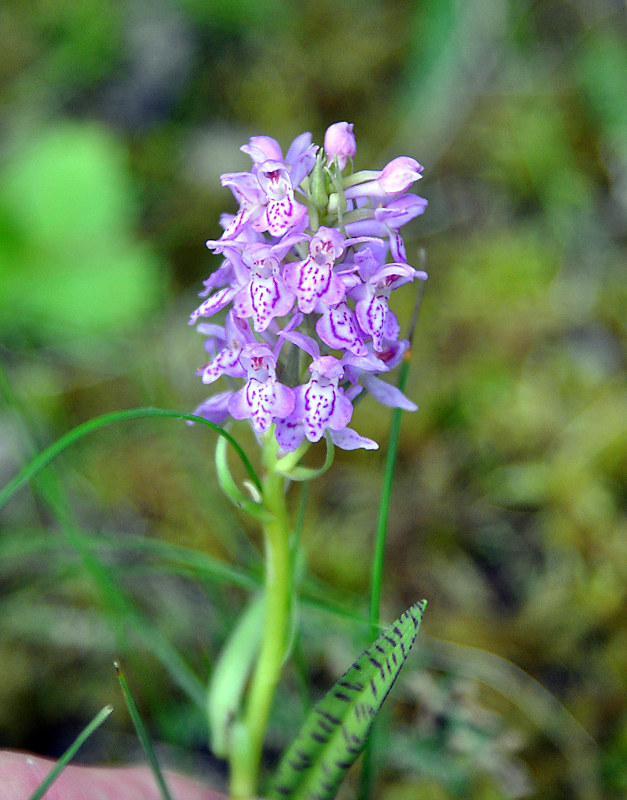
{"points": [[251, 199], [282, 211], [264, 294], [299, 160], [235, 335], [313, 280], [262, 398], [320, 404], [233, 273], [371, 297]]}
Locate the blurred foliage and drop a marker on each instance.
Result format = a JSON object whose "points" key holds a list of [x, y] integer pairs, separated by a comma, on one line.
{"points": [[68, 236], [117, 119]]}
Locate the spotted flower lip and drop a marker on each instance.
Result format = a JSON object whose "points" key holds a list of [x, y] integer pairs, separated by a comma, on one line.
{"points": [[313, 280], [306, 279]]}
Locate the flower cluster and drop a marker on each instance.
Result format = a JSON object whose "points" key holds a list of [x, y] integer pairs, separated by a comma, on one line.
{"points": [[306, 281]]}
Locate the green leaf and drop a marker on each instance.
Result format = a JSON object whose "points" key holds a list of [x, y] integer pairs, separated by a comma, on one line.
{"points": [[231, 674], [336, 730]]}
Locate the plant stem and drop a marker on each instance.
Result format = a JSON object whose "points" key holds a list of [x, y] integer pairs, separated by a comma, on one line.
{"points": [[247, 751]]}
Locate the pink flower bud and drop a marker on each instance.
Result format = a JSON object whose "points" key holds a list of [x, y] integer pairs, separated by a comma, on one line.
{"points": [[339, 140], [399, 174]]}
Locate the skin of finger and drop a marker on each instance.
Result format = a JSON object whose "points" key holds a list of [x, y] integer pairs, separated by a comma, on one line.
{"points": [[21, 774]]}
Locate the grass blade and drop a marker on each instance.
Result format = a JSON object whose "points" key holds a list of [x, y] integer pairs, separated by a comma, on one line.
{"points": [[376, 576], [46, 456], [69, 754], [142, 733], [336, 730]]}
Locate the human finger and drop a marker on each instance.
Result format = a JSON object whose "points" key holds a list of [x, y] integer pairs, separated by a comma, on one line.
{"points": [[22, 773]]}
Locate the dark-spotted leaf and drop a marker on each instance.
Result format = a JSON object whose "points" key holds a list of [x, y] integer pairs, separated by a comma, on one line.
{"points": [[337, 728]]}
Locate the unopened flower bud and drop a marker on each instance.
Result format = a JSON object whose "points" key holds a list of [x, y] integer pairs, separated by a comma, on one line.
{"points": [[318, 190], [339, 140]]}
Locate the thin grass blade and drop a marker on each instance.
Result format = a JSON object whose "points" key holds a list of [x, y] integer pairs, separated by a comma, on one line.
{"points": [[142, 733], [46, 456], [69, 754]]}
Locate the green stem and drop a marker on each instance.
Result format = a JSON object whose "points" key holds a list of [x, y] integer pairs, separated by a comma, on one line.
{"points": [[248, 744]]}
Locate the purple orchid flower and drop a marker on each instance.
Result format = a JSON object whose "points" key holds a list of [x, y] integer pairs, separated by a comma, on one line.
{"points": [[251, 199], [321, 401], [318, 405], [282, 211], [371, 297], [313, 280], [262, 293], [234, 336], [262, 398], [299, 160]]}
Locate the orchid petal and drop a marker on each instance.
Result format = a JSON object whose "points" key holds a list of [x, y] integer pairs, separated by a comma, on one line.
{"points": [[337, 327], [348, 439], [262, 148], [290, 434], [281, 215], [226, 362], [215, 408], [371, 313], [213, 304], [306, 343], [388, 395]]}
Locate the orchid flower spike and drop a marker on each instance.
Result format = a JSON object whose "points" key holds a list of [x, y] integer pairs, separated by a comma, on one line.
{"points": [[310, 260]]}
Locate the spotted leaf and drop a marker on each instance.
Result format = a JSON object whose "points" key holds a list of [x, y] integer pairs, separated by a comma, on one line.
{"points": [[337, 728]]}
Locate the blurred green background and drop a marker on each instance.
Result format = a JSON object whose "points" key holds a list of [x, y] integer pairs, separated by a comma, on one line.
{"points": [[116, 120]]}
